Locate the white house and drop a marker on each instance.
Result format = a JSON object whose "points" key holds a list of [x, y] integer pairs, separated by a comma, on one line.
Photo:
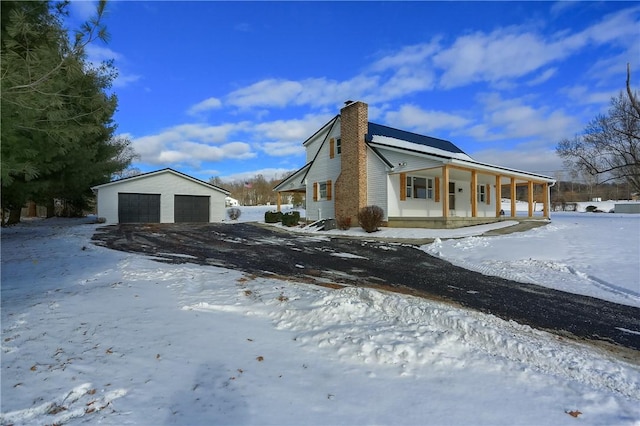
{"points": [[418, 181], [163, 196]]}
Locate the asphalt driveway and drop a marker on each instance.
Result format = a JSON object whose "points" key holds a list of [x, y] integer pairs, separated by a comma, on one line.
{"points": [[318, 259]]}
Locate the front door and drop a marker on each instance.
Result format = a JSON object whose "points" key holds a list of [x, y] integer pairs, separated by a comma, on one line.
{"points": [[452, 196]]}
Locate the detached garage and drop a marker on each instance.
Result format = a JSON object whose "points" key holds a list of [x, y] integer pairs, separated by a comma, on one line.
{"points": [[164, 196]]}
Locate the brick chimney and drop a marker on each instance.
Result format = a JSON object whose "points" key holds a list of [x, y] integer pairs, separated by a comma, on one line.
{"points": [[351, 185]]}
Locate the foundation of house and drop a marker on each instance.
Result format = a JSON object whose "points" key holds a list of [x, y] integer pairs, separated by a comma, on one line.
{"points": [[452, 222]]}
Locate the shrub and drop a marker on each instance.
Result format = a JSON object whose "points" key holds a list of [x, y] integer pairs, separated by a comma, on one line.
{"points": [[234, 213], [591, 209], [344, 223], [272, 217], [370, 218], [291, 218]]}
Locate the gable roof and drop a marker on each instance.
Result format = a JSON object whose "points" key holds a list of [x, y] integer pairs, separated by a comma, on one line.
{"points": [[300, 174], [161, 171]]}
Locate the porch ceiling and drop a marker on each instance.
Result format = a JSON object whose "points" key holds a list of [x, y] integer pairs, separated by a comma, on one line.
{"points": [[464, 174]]}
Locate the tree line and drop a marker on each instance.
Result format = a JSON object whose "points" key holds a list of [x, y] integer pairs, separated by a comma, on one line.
{"points": [[608, 150], [257, 190], [57, 125]]}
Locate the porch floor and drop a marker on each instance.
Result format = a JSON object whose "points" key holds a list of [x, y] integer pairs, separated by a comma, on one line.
{"points": [[454, 222]]}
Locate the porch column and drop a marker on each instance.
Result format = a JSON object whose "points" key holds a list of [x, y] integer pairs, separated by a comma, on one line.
{"points": [[513, 197], [498, 195], [279, 200], [530, 197], [474, 195], [445, 191], [547, 200]]}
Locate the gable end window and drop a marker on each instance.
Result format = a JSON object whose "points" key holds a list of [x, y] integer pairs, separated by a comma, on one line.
{"points": [[419, 187], [335, 147]]}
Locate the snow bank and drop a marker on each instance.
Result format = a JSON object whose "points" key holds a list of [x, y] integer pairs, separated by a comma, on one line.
{"points": [[91, 335]]}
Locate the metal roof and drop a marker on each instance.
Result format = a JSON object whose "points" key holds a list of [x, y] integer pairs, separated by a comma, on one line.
{"points": [[378, 129]]}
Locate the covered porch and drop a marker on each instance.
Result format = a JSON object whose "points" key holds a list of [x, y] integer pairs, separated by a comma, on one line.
{"points": [[471, 194]]}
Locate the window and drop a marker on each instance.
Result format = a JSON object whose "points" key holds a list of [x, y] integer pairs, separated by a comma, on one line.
{"points": [[335, 147], [419, 187], [482, 195], [322, 190]]}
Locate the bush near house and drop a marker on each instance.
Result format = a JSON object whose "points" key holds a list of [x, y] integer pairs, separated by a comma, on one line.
{"points": [[291, 218], [234, 213], [370, 218], [272, 217], [344, 223]]}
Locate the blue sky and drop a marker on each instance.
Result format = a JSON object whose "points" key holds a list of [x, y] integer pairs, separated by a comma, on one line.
{"points": [[232, 89]]}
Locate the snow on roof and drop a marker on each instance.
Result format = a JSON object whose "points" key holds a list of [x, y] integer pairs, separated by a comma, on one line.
{"points": [[417, 147], [414, 138]]}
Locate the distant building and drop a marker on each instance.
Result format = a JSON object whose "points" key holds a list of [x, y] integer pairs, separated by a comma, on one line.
{"points": [[231, 202]]}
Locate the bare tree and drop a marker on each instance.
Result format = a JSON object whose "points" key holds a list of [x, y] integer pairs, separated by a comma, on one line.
{"points": [[609, 148]]}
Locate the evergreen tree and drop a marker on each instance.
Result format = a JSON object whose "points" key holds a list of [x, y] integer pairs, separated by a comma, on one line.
{"points": [[57, 127]]}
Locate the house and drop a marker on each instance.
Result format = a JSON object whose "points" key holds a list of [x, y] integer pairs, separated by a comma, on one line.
{"points": [[163, 196], [418, 181]]}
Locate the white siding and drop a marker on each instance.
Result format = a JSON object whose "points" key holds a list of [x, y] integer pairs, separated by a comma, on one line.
{"points": [[167, 184], [313, 145], [413, 162], [322, 170], [376, 183], [412, 207]]}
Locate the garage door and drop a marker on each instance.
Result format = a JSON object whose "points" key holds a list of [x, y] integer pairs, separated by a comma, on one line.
{"points": [[138, 208], [191, 208]]}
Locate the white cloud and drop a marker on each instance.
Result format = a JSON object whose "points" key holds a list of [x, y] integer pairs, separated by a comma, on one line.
{"points": [[560, 7], [83, 10], [206, 105], [412, 117], [543, 77], [272, 92], [517, 118], [509, 53], [192, 144], [123, 80], [619, 27], [542, 160], [292, 130], [96, 55], [502, 54], [285, 137], [315, 92], [407, 56], [282, 148], [405, 81], [584, 95]]}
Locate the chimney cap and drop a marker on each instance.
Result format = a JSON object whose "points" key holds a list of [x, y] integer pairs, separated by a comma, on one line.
{"points": [[349, 102]]}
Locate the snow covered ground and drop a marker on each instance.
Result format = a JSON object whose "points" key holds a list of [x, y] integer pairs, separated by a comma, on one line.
{"points": [[91, 335]]}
